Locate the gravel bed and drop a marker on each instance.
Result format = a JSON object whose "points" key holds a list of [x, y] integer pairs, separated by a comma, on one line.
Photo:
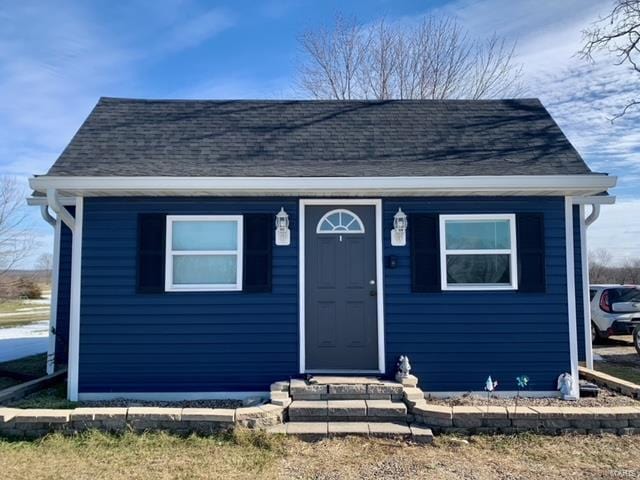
{"points": [[122, 402], [606, 398]]}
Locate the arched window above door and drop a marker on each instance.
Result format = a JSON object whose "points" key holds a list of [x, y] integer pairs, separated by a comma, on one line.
{"points": [[340, 221]]}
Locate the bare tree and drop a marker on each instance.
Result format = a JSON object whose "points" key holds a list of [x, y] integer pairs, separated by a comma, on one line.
{"points": [[16, 238], [45, 263], [337, 57], [599, 265], [603, 270], [619, 34], [434, 59]]}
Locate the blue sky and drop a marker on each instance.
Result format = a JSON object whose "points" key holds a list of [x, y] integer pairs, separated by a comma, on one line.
{"points": [[58, 58]]}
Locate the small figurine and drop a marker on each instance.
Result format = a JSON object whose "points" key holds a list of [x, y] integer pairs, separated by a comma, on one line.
{"points": [[565, 385], [490, 385], [404, 367]]}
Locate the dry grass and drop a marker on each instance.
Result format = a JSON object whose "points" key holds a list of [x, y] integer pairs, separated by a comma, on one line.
{"points": [[98, 456], [33, 365], [630, 373]]}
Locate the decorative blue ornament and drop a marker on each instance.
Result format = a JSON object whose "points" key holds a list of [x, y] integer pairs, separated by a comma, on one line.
{"points": [[522, 381]]}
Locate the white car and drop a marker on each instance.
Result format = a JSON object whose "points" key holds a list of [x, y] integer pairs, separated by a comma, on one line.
{"points": [[615, 310]]}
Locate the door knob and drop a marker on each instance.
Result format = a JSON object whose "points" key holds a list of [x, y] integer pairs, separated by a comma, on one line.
{"points": [[372, 282]]}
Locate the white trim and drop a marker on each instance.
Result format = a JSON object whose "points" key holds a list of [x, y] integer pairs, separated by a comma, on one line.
{"points": [[586, 298], [499, 394], [53, 308], [591, 184], [571, 295], [74, 309], [169, 286], [356, 219], [513, 252], [170, 396], [39, 201], [379, 275], [595, 200]]}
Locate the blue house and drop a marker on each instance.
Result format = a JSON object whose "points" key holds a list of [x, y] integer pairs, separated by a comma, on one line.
{"points": [[205, 249]]}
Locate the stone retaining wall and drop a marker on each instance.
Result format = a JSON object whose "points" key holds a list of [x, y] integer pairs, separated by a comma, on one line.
{"points": [[547, 420], [33, 423]]}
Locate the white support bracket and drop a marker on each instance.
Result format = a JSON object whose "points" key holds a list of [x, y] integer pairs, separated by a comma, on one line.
{"points": [[54, 202]]}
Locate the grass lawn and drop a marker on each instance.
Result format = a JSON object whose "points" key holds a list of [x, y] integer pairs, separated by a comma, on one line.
{"points": [[33, 365], [624, 372], [258, 456]]}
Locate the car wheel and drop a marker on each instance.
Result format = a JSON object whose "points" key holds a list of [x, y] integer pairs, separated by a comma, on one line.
{"points": [[636, 339], [596, 338]]}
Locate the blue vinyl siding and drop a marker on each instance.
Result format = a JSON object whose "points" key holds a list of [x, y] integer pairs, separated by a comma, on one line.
{"points": [[235, 341], [456, 339], [180, 341], [64, 295], [577, 257]]}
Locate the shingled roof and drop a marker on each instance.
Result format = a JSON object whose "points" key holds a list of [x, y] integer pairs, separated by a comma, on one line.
{"points": [[246, 138]]}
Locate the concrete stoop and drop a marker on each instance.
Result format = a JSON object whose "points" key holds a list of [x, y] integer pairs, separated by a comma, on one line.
{"points": [[321, 430], [322, 406]]}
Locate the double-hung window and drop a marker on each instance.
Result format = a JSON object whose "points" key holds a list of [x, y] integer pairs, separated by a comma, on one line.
{"points": [[203, 253], [478, 252]]}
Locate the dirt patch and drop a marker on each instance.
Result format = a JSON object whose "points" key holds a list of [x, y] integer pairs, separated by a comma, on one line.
{"points": [[606, 398], [121, 402]]}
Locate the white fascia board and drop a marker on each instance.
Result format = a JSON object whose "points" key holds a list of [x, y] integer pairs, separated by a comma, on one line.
{"points": [[450, 185], [39, 201], [595, 200]]}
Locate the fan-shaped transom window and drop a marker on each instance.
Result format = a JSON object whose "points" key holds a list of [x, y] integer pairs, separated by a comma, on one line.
{"points": [[340, 221]]}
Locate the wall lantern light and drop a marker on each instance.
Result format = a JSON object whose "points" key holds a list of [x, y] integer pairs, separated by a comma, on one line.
{"points": [[399, 232], [283, 234]]}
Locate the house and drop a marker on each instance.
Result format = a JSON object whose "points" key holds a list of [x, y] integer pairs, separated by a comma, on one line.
{"points": [[205, 249]]}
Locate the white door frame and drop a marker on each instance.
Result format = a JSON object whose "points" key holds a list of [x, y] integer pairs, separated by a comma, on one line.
{"points": [[377, 203]]}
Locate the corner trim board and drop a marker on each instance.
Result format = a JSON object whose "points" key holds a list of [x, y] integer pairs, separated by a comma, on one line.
{"points": [[74, 310], [586, 303], [571, 295], [53, 308]]}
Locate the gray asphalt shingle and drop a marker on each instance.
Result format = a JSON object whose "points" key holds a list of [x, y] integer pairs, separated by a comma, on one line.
{"points": [[123, 137]]}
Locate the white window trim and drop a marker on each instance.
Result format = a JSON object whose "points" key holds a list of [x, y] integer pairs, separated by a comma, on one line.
{"points": [[512, 251], [169, 286], [356, 219]]}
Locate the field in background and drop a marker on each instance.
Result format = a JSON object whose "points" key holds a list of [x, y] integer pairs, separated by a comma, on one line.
{"points": [[16, 312]]}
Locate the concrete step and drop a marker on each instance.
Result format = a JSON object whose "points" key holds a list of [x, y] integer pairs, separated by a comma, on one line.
{"points": [[319, 430], [350, 388], [347, 410]]}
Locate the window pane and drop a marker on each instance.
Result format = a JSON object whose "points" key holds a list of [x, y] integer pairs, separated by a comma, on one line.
{"points": [[477, 234], [478, 269], [204, 269], [341, 221], [212, 235]]}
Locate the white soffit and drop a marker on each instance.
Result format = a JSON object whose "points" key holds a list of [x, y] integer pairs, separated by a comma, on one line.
{"points": [[575, 185]]}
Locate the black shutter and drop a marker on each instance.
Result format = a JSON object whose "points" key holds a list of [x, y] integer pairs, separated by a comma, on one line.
{"points": [[531, 252], [424, 238], [151, 252], [258, 234]]}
